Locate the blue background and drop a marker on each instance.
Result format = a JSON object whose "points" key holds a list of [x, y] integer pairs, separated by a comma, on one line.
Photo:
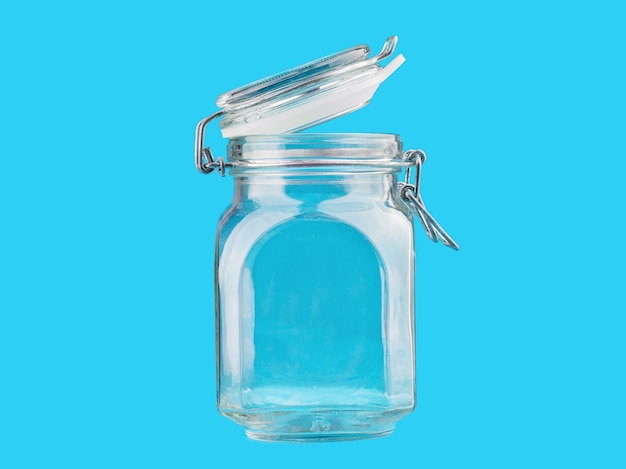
{"points": [[106, 333]]}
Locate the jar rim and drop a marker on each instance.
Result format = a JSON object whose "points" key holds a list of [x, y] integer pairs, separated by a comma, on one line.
{"points": [[315, 149], [295, 136]]}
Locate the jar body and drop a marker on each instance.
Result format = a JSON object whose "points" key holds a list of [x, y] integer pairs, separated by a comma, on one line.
{"points": [[314, 296]]}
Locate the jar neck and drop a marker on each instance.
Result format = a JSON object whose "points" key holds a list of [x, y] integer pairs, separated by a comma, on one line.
{"points": [[292, 188], [344, 152], [315, 167]]}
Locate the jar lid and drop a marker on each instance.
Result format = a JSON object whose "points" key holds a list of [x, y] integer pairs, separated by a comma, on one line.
{"points": [[307, 95]]}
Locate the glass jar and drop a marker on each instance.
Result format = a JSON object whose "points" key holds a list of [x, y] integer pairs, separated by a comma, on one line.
{"points": [[314, 266], [314, 288]]}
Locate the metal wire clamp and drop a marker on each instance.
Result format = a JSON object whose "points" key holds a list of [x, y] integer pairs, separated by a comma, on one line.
{"points": [[205, 162], [411, 193]]}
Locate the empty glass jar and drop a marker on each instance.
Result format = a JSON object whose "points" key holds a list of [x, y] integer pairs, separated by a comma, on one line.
{"points": [[314, 276]]}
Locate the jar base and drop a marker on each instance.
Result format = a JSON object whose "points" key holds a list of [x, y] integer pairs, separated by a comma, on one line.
{"points": [[318, 425], [311, 437]]}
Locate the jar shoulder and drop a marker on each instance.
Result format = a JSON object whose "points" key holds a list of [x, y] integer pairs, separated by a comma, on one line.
{"points": [[245, 224]]}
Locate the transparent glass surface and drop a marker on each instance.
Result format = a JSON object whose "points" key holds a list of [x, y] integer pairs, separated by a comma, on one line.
{"points": [[314, 277]]}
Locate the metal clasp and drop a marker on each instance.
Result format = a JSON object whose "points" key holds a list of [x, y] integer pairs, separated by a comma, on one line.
{"points": [[205, 163], [411, 193]]}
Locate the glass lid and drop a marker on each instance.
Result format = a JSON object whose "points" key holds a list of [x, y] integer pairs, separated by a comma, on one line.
{"points": [[307, 95]]}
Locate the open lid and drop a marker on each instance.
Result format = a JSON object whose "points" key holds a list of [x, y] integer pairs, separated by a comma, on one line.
{"points": [[307, 95]]}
